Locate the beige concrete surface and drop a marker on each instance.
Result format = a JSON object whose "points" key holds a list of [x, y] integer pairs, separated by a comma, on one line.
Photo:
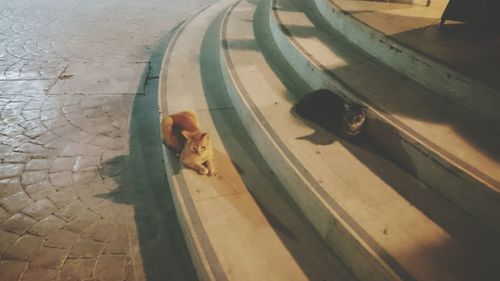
{"points": [[458, 61], [346, 190], [469, 50], [426, 128], [239, 224]]}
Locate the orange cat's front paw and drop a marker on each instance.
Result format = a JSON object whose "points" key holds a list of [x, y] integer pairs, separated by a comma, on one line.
{"points": [[211, 172], [203, 171]]}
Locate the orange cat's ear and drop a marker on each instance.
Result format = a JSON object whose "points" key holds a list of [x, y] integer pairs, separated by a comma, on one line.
{"points": [[204, 137], [186, 134]]}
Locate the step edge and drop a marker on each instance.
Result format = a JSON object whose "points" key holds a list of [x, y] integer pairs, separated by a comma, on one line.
{"points": [[425, 149], [205, 270], [178, 188], [199, 257], [262, 138]]}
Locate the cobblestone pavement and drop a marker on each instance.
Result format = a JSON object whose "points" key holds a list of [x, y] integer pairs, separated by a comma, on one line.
{"points": [[83, 195]]}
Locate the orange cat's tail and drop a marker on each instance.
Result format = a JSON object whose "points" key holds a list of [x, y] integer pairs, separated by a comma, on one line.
{"points": [[174, 124], [167, 125], [169, 137]]}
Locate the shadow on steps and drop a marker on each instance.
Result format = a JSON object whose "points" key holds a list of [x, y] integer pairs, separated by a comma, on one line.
{"points": [[142, 183], [293, 229]]}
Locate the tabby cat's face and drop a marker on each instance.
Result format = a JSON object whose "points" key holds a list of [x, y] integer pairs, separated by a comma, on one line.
{"points": [[353, 119], [198, 143]]}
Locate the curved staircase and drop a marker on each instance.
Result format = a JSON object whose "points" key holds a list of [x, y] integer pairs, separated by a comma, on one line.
{"points": [[416, 197]]}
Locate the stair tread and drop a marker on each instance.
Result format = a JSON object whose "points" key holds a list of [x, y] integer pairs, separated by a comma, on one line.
{"points": [[407, 224], [447, 128], [239, 223]]}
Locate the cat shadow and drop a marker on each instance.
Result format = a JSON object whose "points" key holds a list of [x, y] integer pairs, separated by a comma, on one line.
{"points": [[368, 150], [318, 137]]}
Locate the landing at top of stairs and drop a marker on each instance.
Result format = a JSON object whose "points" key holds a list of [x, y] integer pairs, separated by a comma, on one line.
{"points": [[469, 50]]}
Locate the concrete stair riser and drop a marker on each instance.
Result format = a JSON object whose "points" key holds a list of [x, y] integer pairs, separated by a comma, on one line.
{"points": [[442, 79], [463, 189], [332, 226], [440, 171], [191, 231], [336, 232], [198, 256], [327, 183], [239, 224]]}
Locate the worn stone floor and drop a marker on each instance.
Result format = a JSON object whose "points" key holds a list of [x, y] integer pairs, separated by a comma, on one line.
{"points": [[83, 195]]}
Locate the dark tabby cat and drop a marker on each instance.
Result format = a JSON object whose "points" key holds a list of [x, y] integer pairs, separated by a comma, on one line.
{"points": [[332, 112]]}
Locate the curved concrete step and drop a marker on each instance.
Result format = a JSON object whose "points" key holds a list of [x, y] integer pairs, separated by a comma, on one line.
{"points": [[382, 222], [453, 150], [457, 62], [239, 224]]}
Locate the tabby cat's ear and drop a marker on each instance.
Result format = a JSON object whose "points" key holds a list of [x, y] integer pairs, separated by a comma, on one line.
{"points": [[186, 134], [204, 136]]}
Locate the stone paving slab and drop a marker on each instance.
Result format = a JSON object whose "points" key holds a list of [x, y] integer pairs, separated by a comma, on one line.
{"points": [[98, 78], [74, 202], [9, 87]]}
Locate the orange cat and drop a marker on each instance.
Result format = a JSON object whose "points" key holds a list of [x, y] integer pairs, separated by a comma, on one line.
{"points": [[182, 134]]}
